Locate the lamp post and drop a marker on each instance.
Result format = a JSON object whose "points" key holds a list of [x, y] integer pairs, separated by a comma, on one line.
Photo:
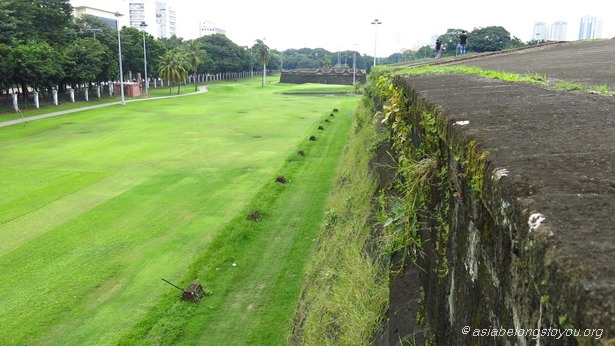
{"points": [[119, 50], [143, 26], [376, 22], [264, 63], [354, 65]]}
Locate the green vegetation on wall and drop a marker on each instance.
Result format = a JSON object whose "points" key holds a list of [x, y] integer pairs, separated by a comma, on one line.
{"points": [[413, 206]]}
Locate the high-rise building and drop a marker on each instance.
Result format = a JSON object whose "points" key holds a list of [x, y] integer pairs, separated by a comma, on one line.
{"points": [[558, 31], [107, 17], [590, 28], [208, 28], [541, 31], [166, 19], [159, 17]]}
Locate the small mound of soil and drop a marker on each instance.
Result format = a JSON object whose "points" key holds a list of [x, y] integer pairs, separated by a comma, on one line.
{"points": [[254, 215]]}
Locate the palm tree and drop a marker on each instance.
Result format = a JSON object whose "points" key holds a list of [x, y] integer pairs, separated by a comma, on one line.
{"points": [[174, 67], [262, 52], [193, 50]]}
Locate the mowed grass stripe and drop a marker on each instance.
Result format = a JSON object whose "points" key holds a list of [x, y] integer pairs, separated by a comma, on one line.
{"points": [[54, 213], [188, 165], [254, 302], [69, 263], [37, 188]]}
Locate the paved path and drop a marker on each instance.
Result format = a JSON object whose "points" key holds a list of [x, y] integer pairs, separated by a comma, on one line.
{"points": [[202, 89]]}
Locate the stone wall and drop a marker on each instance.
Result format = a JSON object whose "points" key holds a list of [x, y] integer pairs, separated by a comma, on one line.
{"points": [[342, 76], [498, 271]]}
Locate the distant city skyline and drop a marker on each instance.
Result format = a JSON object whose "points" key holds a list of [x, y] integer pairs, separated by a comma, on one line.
{"points": [[550, 32], [590, 28]]}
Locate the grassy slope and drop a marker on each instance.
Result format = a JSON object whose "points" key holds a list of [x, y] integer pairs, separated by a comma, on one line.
{"points": [[345, 289], [96, 207]]}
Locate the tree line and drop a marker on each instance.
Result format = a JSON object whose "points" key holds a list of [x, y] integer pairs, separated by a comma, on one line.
{"points": [[43, 46]]}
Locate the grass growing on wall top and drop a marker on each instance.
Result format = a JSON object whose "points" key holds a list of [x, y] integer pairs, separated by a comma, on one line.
{"points": [[532, 78]]}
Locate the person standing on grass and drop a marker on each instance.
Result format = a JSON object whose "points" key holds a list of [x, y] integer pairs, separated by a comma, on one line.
{"points": [[463, 41], [438, 48]]}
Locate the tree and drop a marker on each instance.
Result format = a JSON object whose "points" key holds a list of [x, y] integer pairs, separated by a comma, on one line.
{"points": [[326, 60], [193, 52], [89, 26], [174, 66], [155, 50], [397, 58], [262, 52], [489, 39], [133, 54], [37, 64], [84, 60], [225, 54], [319, 57], [9, 22], [132, 50], [516, 42], [7, 67], [275, 60], [424, 52], [172, 42], [50, 21]]}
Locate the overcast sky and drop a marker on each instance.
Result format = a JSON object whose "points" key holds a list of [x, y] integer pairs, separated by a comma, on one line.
{"points": [[346, 25]]}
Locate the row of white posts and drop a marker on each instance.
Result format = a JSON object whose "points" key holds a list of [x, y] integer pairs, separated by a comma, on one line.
{"points": [[199, 78], [192, 79], [219, 76], [55, 97]]}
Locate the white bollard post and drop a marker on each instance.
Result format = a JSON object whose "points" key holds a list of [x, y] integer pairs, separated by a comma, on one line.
{"points": [[15, 102]]}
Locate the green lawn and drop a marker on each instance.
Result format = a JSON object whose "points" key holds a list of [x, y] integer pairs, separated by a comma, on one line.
{"points": [[96, 207]]}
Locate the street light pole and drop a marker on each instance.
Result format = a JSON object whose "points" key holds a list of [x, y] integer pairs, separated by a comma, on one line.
{"points": [[119, 50], [376, 22], [143, 26], [354, 65]]}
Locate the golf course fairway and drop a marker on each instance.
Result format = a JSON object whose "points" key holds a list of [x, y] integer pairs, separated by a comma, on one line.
{"points": [[97, 207]]}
